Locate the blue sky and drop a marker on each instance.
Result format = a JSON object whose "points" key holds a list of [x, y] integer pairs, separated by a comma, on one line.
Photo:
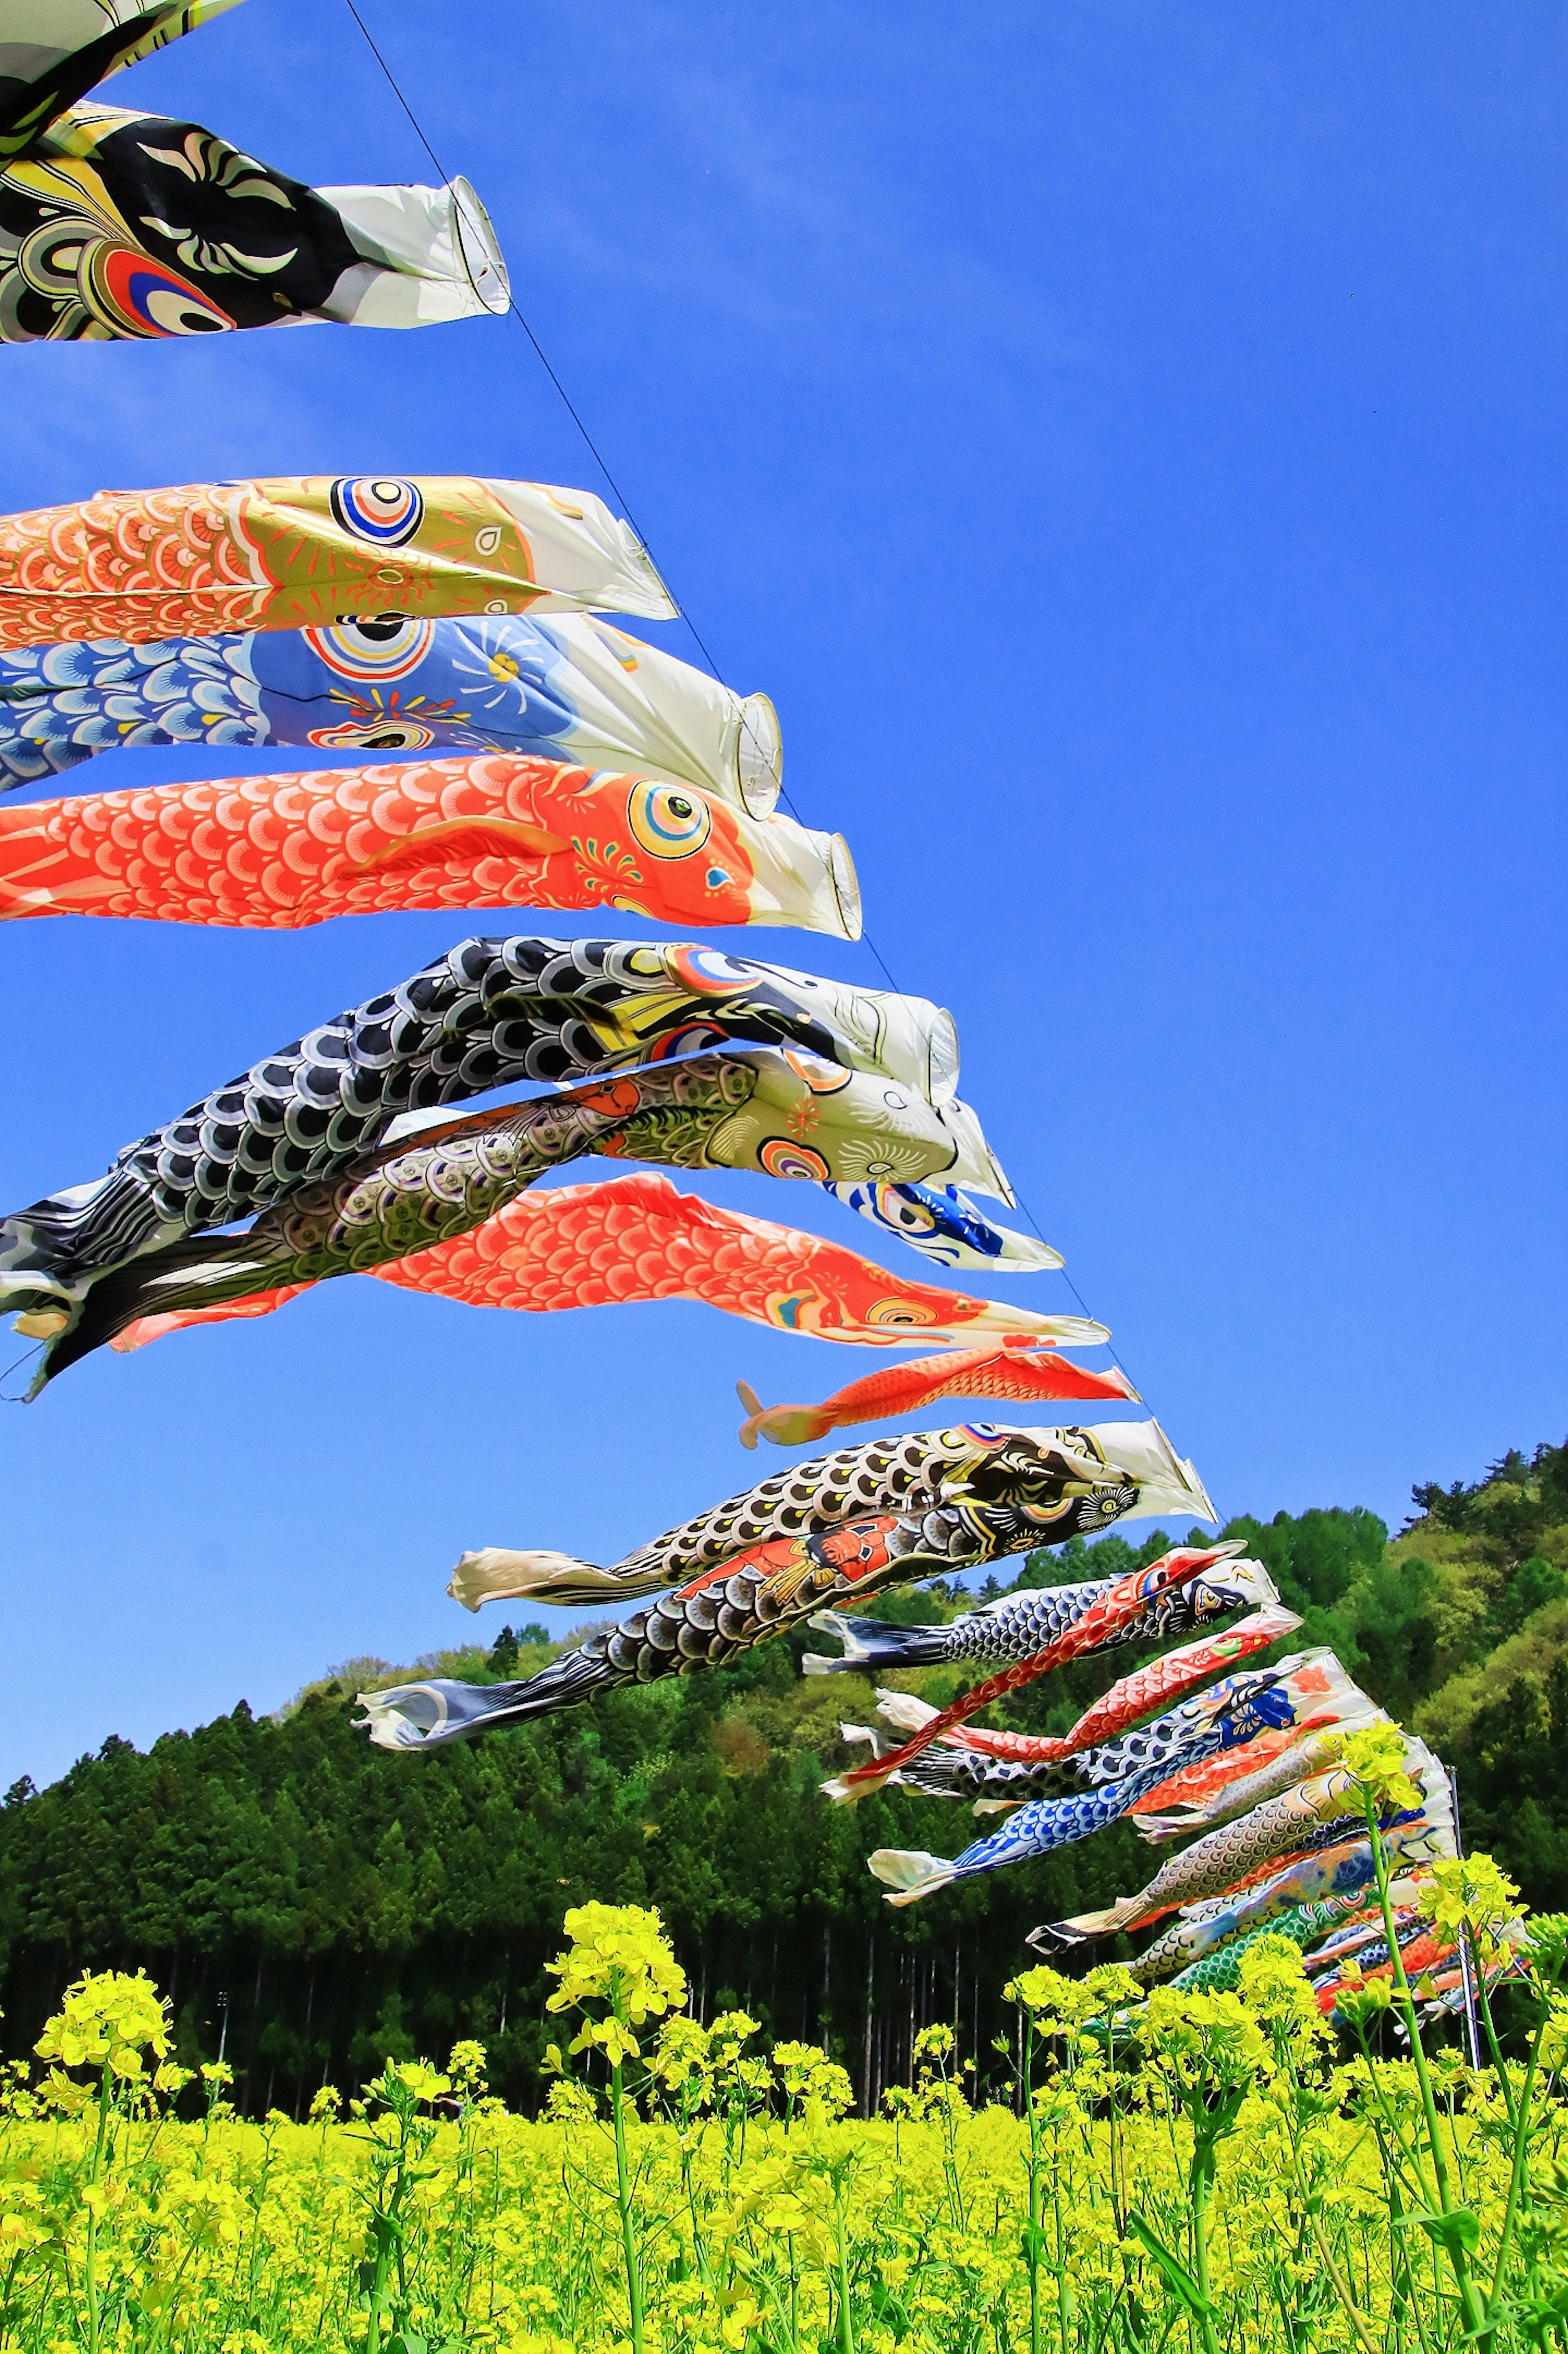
{"points": [[1127, 444]]}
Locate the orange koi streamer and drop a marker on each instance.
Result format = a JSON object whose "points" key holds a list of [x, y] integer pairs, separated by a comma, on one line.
{"points": [[494, 830], [1004, 1371], [636, 1238]]}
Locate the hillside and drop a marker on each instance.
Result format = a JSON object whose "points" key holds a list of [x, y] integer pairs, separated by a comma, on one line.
{"points": [[325, 1904]]}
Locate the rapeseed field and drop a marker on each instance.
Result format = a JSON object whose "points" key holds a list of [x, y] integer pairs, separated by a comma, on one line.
{"points": [[1195, 2171]]}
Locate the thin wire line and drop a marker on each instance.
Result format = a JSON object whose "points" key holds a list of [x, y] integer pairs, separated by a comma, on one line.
{"points": [[600, 461]]}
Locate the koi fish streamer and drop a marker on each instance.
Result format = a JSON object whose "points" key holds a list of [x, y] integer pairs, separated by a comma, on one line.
{"points": [[1214, 1864], [296, 552], [732, 1606], [1236, 1784], [1014, 1628], [120, 227], [635, 1239], [569, 688], [1104, 1784], [1089, 1476], [123, 225], [491, 1011], [1148, 1687], [493, 828], [740, 1111], [1341, 1870], [951, 1768], [1000, 1371], [1145, 1606]]}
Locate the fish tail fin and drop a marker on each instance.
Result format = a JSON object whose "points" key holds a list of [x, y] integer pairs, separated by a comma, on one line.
{"points": [[429, 1715], [903, 1711], [873, 1643], [55, 1245], [909, 1874], [785, 1426], [493, 1574], [1079, 1927], [200, 1272]]}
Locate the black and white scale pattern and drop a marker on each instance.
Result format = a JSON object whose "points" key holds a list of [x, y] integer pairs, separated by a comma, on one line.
{"points": [[703, 1627], [1066, 1469], [1018, 1624], [492, 1012]]}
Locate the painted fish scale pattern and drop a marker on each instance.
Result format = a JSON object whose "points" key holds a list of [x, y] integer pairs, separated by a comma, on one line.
{"points": [[493, 1011], [285, 552], [69, 572], [409, 1198], [1228, 1710], [703, 1627], [637, 1238], [1220, 1971], [903, 1474], [284, 852]]}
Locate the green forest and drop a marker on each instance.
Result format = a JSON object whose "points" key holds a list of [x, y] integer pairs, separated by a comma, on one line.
{"points": [[317, 1906]]}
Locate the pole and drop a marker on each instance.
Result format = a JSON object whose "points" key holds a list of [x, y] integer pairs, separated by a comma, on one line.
{"points": [[1466, 1977]]}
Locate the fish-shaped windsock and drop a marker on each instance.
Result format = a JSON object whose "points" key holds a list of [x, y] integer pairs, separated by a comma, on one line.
{"points": [[1098, 1787], [1220, 1971], [1182, 1589], [488, 829], [489, 1013], [1037, 1829], [987, 1752], [122, 226], [954, 1768], [1340, 1871], [731, 1607], [1005, 1369], [1154, 1685], [569, 687], [635, 1238], [307, 551], [1291, 1755], [1016, 1625], [1073, 1471], [1326, 1808], [734, 1111]]}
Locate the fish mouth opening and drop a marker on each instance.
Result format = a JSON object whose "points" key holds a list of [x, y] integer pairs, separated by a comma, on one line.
{"points": [[758, 756]]}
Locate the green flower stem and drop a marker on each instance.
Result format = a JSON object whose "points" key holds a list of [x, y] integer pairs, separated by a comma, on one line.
{"points": [[623, 2203], [1459, 2262]]}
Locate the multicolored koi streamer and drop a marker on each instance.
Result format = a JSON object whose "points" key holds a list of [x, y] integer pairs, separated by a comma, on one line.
{"points": [[566, 688], [1004, 1369], [1119, 1606], [636, 1238], [1098, 1787], [491, 1011], [744, 1110], [1310, 1749], [1068, 1475], [123, 226], [1337, 1874], [491, 830], [1147, 1688], [1214, 1864], [951, 1769], [308, 551], [1014, 1626], [732, 1606]]}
